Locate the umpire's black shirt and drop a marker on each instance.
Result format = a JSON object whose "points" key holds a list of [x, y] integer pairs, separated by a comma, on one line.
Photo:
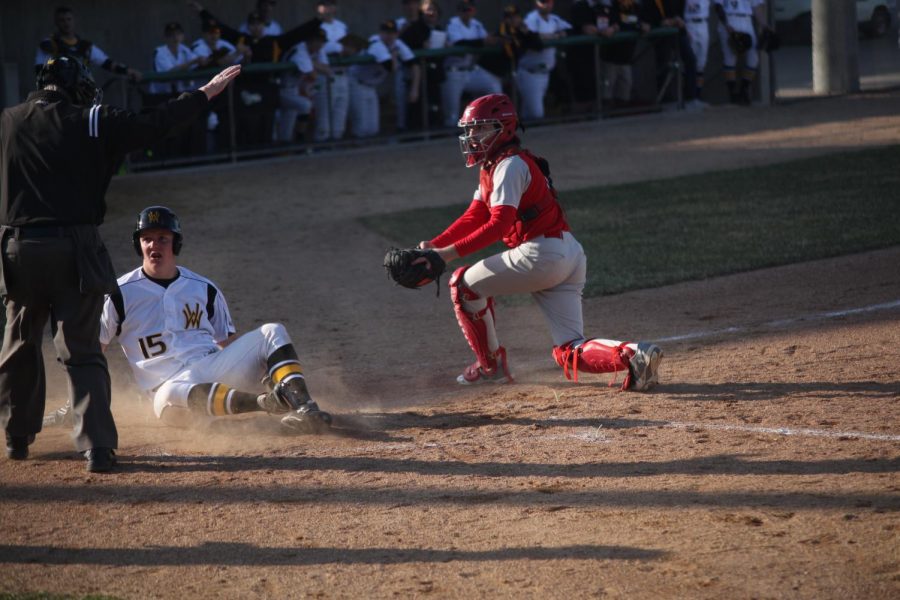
{"points": [[57, 158]]}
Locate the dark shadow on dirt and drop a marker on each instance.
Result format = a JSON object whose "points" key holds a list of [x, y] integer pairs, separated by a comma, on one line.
{"points": [[552, 497], [773, 391], [238, 554], [471, 419]]}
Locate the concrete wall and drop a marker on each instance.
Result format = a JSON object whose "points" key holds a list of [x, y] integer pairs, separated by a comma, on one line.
{"points": [[129, 30]]}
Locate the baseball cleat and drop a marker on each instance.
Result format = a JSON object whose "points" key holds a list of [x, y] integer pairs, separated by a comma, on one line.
{"points": [[61, 417], [475, 373], [307, 419], [644, 367], [272, 403]]}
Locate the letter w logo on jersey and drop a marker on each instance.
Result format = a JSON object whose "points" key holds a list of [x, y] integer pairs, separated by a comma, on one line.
{"points": [[192, 316]]}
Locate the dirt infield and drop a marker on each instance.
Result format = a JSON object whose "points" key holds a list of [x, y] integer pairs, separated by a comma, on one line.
{"points": [[766, 465]]}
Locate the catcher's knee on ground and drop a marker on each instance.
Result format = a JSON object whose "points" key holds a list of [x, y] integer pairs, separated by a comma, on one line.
{"points": [[640, 361]]}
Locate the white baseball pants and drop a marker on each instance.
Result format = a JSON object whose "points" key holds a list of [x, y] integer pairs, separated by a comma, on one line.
{"points": [[241, 365]]}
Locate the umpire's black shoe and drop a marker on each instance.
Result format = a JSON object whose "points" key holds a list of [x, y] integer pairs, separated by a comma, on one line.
{"points": [[100, 460], [17, 446]]}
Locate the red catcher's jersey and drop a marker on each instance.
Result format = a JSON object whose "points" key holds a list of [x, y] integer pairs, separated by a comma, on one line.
{"points": [[539, 212]]}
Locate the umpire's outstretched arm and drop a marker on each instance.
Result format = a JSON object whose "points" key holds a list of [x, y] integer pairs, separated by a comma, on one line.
{"points": [[124, 131]]}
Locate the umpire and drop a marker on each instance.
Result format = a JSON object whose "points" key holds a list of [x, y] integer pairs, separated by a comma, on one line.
{"points": [[58, 152]]}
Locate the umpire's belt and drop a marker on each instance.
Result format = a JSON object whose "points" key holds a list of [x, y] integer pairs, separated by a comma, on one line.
{"points": [[698, 20], [36, 231]]}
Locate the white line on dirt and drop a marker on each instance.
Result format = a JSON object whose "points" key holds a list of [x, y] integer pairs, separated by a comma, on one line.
{"points": [[787, 431], [831, 314]]}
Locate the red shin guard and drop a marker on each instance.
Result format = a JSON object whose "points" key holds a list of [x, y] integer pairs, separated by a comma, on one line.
{"points": [[593, 356], [472, 324]]}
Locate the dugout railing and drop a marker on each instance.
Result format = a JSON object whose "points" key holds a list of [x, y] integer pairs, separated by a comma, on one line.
{"points": [[228, 149]]}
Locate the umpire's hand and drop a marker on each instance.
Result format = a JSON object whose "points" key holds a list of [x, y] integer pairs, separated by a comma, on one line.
{"points": [[220, 81]]}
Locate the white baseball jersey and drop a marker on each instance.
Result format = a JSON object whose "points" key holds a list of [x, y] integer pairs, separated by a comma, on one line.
{"points": [[739, 7], [538, 24], [696, 9], [300, 56], [458, 31], [201, 48], [273, 28], [382, 52], [97, 56], [334, 32], [165, 329], [164, 60]]}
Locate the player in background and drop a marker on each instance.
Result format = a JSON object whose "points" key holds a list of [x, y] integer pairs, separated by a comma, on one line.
{"points": [[177, 334], [737, 16], [296, 89], [533, 72], [65, 42], [462, 72], [696, 18], [403, 77], [331, 99], [391, 55], [515, 202], [270, 25]]}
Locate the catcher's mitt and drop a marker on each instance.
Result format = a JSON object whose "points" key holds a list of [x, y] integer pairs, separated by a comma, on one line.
{"points": [[740, 42], [402, 266]]}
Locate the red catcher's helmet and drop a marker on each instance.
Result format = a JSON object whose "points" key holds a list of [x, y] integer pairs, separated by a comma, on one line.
{"points": [[489, 124]]}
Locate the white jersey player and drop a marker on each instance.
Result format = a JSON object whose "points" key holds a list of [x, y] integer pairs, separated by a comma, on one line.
{"points": [[331, 99], [462, 73], [296, 89], [736, 16], [391, 55], [696, 19], [515, 202], [177, 334], [533, 70]]}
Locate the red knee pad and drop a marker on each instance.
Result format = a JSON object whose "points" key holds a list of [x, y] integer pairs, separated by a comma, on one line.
{"points": [[593, 356], [472, 324]]}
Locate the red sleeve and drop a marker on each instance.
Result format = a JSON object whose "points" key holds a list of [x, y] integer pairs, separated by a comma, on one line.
{"points": [[476, 215], [502, 218]]}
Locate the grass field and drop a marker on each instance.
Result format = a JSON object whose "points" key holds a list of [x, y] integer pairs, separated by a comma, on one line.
{"points": [[665, 231]]}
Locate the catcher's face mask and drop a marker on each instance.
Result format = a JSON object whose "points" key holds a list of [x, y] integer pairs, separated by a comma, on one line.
{"points": [[478, 138]]}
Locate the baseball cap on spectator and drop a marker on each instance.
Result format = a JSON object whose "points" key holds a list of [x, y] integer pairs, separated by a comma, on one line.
{"points": [[210, 25], [172, 27], [510, 10], [389, 26], [254, 17], [326, 2], [465, 6]]}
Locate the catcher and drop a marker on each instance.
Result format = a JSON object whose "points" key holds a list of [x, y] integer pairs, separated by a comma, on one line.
{"points": [[516, 202], [176, 331]]}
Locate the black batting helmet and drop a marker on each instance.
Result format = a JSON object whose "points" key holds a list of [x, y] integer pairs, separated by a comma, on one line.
{"points": [[73, 77], [157, 217]]}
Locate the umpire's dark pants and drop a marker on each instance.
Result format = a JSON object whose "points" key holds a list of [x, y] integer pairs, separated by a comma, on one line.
{"points": [[42, 282]]}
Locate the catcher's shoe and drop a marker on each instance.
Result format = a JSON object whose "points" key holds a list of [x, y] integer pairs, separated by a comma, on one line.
{"points": [[643, 368], [499, 373], [307, 419]]}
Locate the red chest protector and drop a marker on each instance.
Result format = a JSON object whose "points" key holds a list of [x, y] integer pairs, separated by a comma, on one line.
{"points": [[539, 211]]}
